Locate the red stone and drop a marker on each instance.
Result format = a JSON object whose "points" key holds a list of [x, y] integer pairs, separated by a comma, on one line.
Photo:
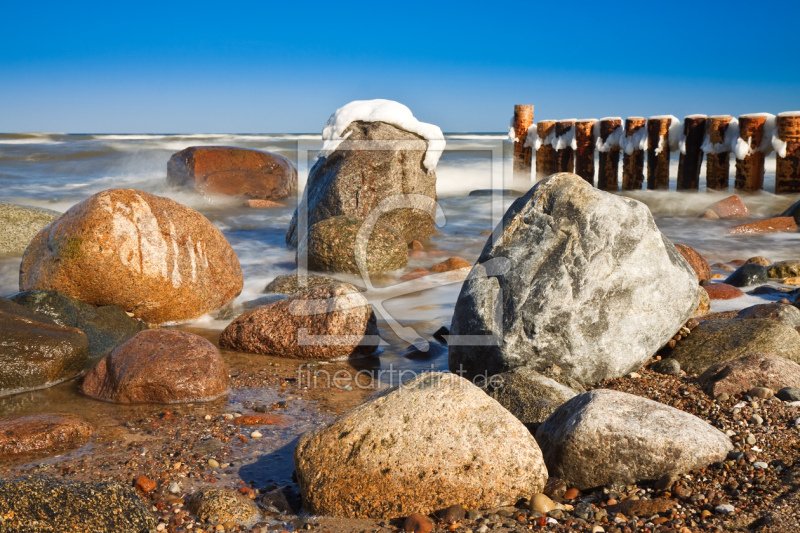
{"points": [[696, 261], [417, 246], [730, 207], [414, 274], [260, 420], [454, 263], [722, 291], [571, 494], [417, 523], [770, 225], [145, 484], [43, 434]]}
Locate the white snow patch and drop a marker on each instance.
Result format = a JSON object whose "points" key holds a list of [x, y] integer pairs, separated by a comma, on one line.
{"points": [[742, 148], [637, 141], [728, 142], [536, 142], [613, 139], [388, 111], [770, 130], [567, 139], [789, 114], [779, 146]]}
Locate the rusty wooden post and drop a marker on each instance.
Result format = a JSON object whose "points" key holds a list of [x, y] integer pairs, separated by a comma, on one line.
{"points": [[565, 146], [523, 118], [787, 146], [633, 143], [584, 150], [545, 153], [608, 146], [694, 131], [658, 152], [749, 158], [716, 146]]}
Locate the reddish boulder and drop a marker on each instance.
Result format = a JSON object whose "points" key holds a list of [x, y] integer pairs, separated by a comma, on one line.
{"points": [[722, 291], [770, 225], [730, 207], [42, 434], [756, 370], [326, 322], [454, 263], [696, 261], [159, 366], [759, 260], [233, 172], [151, 256]]}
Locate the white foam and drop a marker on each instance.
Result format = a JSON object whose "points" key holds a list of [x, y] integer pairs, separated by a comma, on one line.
{"points": [[387, 111]]}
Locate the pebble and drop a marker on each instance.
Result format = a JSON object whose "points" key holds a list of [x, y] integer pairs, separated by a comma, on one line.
{"points": [[761, 392], [213, 463], [483, 529], [256, 435], [174, 488], [756, 419], [760, 465], [725, 508], [598, 529], [542, 503], [750, 439], [789, 394], [571, 494]]}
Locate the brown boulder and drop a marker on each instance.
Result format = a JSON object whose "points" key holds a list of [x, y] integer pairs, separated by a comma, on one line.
{"points": [[755, 370], [326, 322], [42, 434], [233, 172], [454, 263], [770, 225], [696, 261], [759, 260], [159, 366], [151, 256], [418, 523], [722, 291], [730, 207]]}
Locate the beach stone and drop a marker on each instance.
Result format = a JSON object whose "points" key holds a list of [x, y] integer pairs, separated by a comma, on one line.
{"points": [[159, 366], [373, 459], [708, 214], [145, 484], [233, 172], [42, 435], [696, 261], [723, 266], [641, 507], [454, 263], [229, 312], [418, 523], [414, 274], [293, 283], [704, 305], [337, 309], [730, 207], [722, 291], [38, 504], [151, 256], [20, 224], [789, 394], [756, 370], [261, 204], [784, 269], [786, 313], [770, 225], [35, 352], [105, 327], [332, 244], [354, 182], [528, 395], [453, 514], [668, 367], [541, 504], [748, 275], [592, 286], [763, 393], [759, 260], [641, 440], [220, 506], [721, 340]]}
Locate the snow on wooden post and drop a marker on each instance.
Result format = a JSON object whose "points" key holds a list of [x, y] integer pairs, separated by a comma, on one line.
{"points": [[565, 146], [584, 151], [787, 146], [694, 132], [633, 143], [545, 153], [749, 158], [608, 146], [658, 152], [716, 146], [523, 119]]}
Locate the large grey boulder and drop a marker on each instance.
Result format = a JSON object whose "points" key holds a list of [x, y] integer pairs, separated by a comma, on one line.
{"points": [[592, 286], [19, 224], [604, 436], [356, 177], [433, 442]]}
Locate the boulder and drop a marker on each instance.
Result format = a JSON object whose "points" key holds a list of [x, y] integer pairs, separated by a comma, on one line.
{"points": [[784, 269], [528, 395], [20, 224], [105, 327], [722, 291], [220, 506], [592, 286], [755, 370], [292, 283], [603, 437], [747, 275], [153, 257], [353, 181], [233, 172], [35, 352], [159, 366], [770, 225], [788, 314], [696, 261], [42, 435], [717, 341], [759, 260], [332, 245], [436, 431], [38, 504], [730, 207], [328, 322]]}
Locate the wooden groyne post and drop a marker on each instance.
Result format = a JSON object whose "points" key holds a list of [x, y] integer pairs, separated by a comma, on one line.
{"points": [[658, 145], [787, 174], [608, 173], [565, 153], [694, 132], [584, 151], [523, 119], [545, 154], [750, 166], [633, 159], [717, 152]]}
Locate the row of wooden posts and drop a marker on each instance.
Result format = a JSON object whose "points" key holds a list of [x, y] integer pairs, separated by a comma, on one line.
{"points": [[578, 157]]}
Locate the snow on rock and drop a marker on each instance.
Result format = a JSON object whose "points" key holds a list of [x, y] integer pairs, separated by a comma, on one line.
{"points": [[613, 140], [388, 111]]}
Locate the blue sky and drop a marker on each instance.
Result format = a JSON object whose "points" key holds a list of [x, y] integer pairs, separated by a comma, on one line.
{"points": [[190, 67]]}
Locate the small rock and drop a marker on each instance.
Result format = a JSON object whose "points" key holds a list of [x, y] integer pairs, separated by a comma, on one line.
{"points": [[261, 204], [222, 506], [722, 291], [145, 484], [414, 274], [174, 488], [756, 420], [571, 494], [583, 511], [761, 392], [789, 394], [418, 523], [782, 312], [760, 465], [555, 487], [541, 503], [725, 508], [730, 207], [770, 225], [748, 275], [668, 366], [451, 515], [750, 439], [665, 482], [784, 269], [256, 435], [213, 463]]}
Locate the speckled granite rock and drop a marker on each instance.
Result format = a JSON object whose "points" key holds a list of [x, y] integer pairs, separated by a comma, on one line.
{"points": [[293, 283], [219, 506], [42, 434], [150, 256], [433, 442], [604, 436], [786, 313], [784, 269], [19, 224], [756, 370], [39, 504]]}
